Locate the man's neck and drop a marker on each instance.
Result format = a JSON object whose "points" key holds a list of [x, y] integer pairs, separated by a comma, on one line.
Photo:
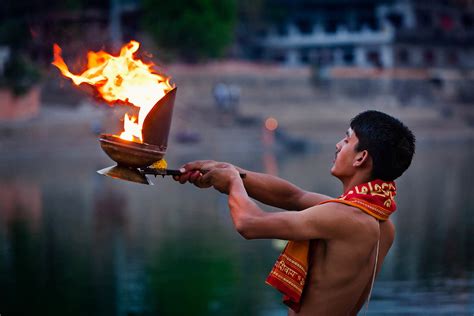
{"points": [[353, 181]]}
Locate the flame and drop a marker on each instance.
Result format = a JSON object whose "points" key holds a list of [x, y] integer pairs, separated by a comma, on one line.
{"points": [[121, 78]]}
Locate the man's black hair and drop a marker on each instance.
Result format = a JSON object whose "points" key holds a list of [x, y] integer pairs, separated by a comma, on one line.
{"points": [[388, 141]]}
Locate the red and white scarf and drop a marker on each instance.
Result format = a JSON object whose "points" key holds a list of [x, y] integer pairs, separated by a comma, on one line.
{"points": [[289, 273]]}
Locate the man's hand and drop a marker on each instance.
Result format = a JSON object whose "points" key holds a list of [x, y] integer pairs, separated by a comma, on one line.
{"points": [[207, 173], [221, 178]]}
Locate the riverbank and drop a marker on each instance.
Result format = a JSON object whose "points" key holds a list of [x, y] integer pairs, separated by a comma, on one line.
{"points": [[70, 118]]}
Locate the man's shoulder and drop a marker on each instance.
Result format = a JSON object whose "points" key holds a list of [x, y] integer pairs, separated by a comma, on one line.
{"points": [[345, 209], [340, 209], [349, 219]]}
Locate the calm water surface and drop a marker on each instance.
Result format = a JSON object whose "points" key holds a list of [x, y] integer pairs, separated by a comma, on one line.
{"points": [[76, 243]]}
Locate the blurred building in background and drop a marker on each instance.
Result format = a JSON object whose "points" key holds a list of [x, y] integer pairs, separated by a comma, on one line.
{"points": [[371, 33], [96, 25], [423, 50], [361, 33]]}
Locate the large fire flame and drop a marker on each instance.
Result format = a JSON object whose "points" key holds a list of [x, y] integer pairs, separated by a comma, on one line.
{"points": [[121, 78]]}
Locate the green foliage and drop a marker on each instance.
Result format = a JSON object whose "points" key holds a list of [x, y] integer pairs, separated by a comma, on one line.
{"points": [[19, 75], [191, 29], [18, 16], [263, 12], [14, 33]]}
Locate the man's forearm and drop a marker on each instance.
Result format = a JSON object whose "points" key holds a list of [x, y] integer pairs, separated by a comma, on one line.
{"points": [[272, 190], [242, 209]]}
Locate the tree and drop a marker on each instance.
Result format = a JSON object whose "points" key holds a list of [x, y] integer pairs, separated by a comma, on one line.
{"points": [[191, 29]]}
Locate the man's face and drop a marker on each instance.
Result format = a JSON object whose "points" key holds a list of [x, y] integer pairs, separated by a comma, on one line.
{"points": [[345, 155]]}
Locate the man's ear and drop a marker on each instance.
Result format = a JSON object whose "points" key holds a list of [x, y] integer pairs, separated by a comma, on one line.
{"points": [[361, 158]]}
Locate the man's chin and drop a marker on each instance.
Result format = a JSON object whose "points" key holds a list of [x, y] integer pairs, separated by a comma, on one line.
{"points": [[334, 173]]}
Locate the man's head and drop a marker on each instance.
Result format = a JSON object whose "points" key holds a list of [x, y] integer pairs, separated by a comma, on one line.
{"points": [[377, 143]]}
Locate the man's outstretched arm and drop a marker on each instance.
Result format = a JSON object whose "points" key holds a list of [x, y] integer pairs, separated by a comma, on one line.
{"points": [[262, 187], [251, 222], [278, 192]]}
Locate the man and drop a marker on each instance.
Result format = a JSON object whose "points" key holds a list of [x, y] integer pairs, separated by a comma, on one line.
{"points": [[336, 245]]}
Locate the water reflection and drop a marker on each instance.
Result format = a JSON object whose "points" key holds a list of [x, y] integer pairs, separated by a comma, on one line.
{"points": [[73, 242]]}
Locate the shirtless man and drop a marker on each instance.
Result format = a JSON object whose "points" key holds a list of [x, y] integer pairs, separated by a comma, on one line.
{"points": [[339, 279]]}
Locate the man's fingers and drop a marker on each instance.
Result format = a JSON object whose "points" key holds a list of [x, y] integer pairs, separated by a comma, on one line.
{"points": [[200, 172], [207, 177], [177, 177], [184, 177], [204, 180], [204, 165], [194, 175], [210, 165], [194, 165]]}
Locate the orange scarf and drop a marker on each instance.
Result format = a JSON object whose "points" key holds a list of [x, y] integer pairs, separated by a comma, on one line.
{"points": [[289, 272]]}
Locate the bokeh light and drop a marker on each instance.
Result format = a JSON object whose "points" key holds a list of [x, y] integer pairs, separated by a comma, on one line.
{"points": [[271, 123]]}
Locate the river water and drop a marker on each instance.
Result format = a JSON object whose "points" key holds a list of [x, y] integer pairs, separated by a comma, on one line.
{"points": [[73, 242]]}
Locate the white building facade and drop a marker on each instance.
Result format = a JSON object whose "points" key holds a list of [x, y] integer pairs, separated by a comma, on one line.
{"points": [[380, 34]]}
